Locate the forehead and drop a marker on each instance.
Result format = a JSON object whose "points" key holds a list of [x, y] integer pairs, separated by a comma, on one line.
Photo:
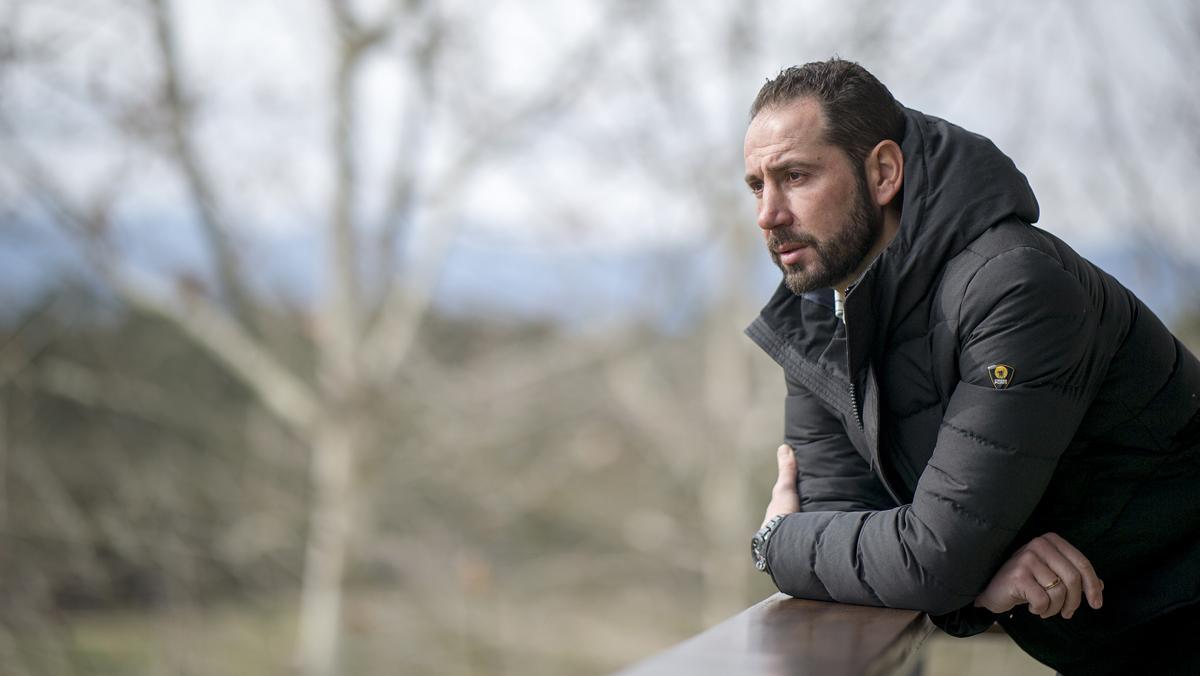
{"points": [[796, 126]]}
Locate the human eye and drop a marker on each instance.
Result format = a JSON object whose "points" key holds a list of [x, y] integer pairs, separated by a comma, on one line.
{"points": [[796, 175], [756, 187]]}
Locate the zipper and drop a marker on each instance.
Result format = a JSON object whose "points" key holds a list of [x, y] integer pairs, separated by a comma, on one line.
{"points": [[876, 460], [854, 406], [853, 391]]}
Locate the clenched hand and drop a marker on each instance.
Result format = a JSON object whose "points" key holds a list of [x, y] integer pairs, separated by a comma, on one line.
{"points": [[1030, 575]]}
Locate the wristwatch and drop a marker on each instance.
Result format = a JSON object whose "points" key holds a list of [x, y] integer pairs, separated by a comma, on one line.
{"points": [[758, 544]]}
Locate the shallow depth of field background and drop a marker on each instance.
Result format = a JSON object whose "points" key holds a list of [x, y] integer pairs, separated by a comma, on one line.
{"points": [[405, 337]]}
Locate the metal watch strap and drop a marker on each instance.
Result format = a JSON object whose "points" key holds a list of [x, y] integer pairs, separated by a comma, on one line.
{"points": [[758, 544]]}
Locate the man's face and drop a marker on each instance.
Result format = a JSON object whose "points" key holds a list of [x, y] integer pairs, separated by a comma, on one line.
{"points": [[813, 205]]}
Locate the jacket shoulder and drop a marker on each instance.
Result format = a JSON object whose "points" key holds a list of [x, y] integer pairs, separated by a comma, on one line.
{"points": [[1006, 243], [1009, 235]]}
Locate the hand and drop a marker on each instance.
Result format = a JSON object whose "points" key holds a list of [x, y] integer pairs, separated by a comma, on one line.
{"points": [[1025, 576], [784, 497]]}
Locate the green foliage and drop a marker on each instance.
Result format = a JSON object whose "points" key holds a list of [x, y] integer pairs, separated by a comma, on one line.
{"points": [[135, 467], [148, 494]]}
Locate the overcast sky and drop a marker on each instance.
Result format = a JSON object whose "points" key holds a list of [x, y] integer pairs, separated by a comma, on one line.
{"points": [[1082, 95]]}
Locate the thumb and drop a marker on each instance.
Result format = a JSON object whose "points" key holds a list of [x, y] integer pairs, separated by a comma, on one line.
{"points": [[787, 468]]}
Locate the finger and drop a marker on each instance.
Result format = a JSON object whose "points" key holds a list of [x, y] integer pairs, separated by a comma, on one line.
{"points": [[1031, 581], [1068, 572], [786, 483], [1035, 595], [1041, 576], [1093, 586]]}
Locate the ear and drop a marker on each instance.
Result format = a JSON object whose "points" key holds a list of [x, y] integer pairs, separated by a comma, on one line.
{"points": [[885, 172]]}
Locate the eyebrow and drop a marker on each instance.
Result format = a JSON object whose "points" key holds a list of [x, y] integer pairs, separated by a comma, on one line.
{"points": [[781, 164]]}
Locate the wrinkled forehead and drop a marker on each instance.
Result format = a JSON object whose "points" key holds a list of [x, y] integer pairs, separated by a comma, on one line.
{"points": [[796, 126]]}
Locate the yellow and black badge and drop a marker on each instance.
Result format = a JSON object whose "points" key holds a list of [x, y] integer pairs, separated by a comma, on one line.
{"points": [[1002, 375]]}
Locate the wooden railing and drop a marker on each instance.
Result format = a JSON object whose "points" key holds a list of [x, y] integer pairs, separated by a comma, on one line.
{"points": [[783, 635]]}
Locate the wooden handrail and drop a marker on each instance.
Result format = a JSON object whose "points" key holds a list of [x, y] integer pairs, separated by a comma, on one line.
{"points": [[782, 635]]}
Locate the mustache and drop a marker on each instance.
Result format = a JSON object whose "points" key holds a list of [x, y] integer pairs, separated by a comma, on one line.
{"points": [[778, 238]]}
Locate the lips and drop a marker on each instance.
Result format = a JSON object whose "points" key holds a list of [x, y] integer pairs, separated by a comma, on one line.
{"points": [[790, 252]]}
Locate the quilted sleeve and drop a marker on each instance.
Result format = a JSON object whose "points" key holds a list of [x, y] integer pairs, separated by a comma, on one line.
{"points": [[997, 447], [831, 475]]}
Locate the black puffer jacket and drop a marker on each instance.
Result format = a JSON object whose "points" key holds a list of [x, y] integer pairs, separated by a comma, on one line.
{"points": [[923, 466]]}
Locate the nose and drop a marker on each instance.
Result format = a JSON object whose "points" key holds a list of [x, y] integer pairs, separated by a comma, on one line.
{"points": [[773, 209]]}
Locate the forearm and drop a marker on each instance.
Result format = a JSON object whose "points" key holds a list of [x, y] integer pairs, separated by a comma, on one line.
{"points": [[871, 558]]}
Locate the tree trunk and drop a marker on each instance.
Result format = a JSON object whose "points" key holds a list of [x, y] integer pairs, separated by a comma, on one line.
{"points": [[333, 453]]}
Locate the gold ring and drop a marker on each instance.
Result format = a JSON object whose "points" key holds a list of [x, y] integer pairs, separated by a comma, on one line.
{"points": [[1052, 585]]}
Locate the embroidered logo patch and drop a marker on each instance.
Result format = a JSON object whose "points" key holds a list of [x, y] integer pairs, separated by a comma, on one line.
{"points": [[1002, 375]]}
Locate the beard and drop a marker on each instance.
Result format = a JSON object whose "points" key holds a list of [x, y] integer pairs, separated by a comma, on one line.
{"points": [[837, 257]]}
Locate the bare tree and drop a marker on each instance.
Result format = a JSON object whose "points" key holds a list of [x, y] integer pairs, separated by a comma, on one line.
{"points": [[365, 377], [366, 319]]}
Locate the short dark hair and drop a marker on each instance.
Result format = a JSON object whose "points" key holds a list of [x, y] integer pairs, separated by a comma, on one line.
{"points": [[859, 111]]}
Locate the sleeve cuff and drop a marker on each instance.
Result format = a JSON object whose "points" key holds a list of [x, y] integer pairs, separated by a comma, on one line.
{"points": [[966, 621]]}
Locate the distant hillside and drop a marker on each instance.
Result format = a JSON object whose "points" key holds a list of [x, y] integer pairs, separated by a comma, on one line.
{"points": [[580, 288]]}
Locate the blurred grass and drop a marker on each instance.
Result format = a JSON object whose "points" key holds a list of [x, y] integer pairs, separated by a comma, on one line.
{"points": [[225, 639], [386, 633]]}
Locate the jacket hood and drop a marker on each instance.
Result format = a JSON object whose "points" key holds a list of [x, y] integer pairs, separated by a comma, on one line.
{"points": [[957, 184]]}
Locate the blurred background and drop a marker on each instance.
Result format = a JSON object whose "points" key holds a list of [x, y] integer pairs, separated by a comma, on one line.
{"points": [[405, 337]]}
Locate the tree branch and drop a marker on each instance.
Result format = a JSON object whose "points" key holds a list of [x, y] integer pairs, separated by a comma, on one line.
{"points": [[206, 322], [414, 129], [231, 285], [281, 392], [387, 342], [117, 394]]}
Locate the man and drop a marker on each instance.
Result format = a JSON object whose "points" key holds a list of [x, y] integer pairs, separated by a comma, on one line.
{"points": [[977, 418]]}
